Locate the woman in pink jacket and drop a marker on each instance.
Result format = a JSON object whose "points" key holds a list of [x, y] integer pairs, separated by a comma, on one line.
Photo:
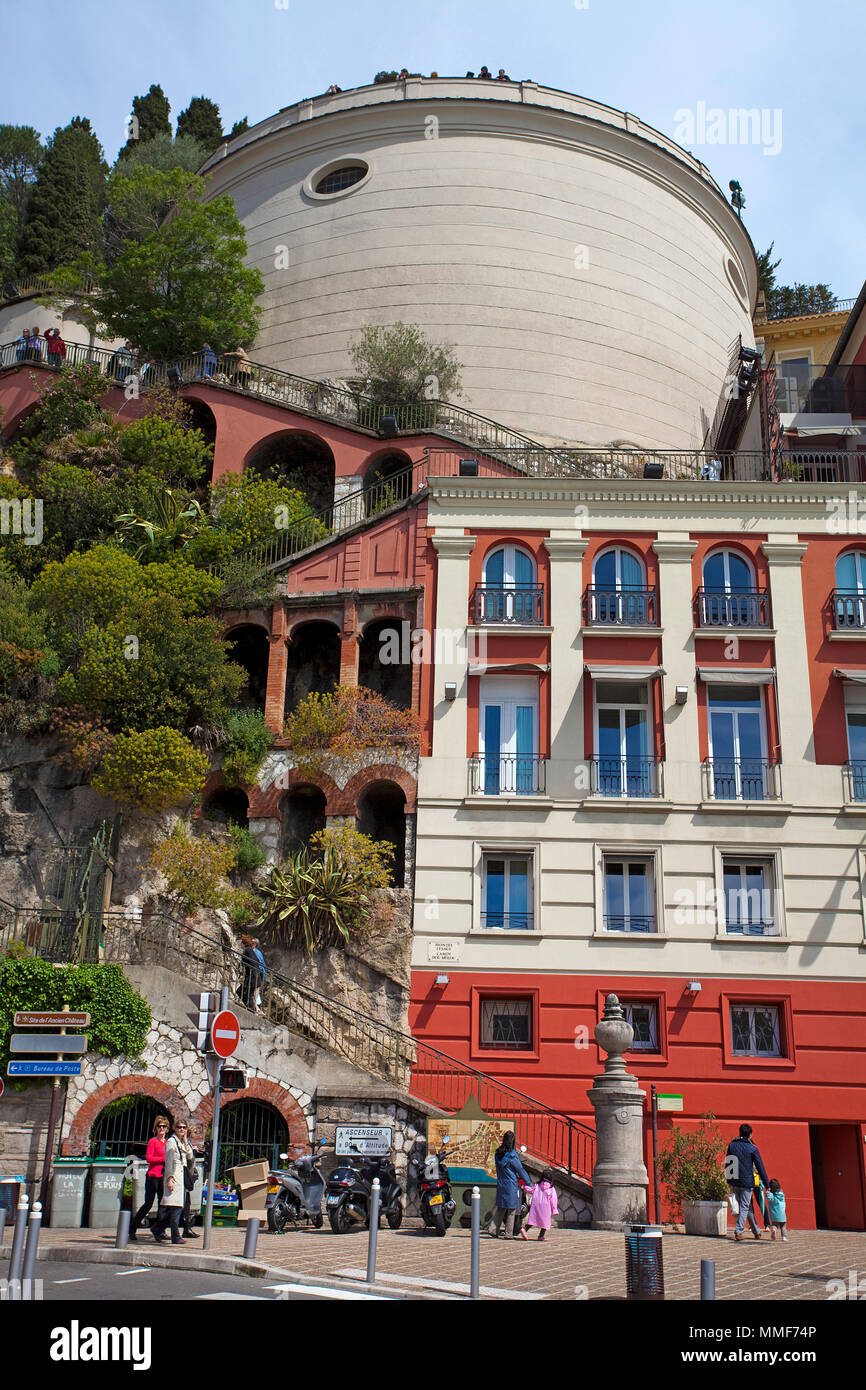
{"points": [[543, 1207]]}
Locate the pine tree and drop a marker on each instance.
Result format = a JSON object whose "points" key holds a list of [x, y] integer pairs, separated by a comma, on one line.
{"points": [[67, 202], [239, 128], [20, 157], [203, 122], [150, 118]]}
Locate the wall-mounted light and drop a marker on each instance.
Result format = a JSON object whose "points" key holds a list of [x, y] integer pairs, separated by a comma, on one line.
{"points": [[681, 694], [443, 980], [450, 690], [468, 468], [694, 987]]}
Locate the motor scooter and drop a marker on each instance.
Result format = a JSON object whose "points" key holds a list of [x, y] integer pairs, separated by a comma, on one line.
{"points": [[349, 1189], [434, 1187], [295, 1193]]}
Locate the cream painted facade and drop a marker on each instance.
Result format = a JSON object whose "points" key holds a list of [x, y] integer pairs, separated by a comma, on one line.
{"points": [[564, 247], [813, 840]]}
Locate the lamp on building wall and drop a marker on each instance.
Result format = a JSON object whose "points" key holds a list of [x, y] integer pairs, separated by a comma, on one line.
{"points": [[694, 987], [443, 980], [388, 426], [450, 690], [468, 468], [653, 470], [681, 694]]}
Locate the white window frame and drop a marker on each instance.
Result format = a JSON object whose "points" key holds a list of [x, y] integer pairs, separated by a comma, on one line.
{"points": [[504, 849], [859, 567], [508, 857], [623, 852], [509, 565], [628, 1007], [751, 1009], [756, 854], [735, 710], [647, 707], [619, 551], [726, 553], [507, 692]]}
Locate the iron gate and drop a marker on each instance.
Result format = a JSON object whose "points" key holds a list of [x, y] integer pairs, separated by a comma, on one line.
{"points": [[124, 1127], [250, 1131]]}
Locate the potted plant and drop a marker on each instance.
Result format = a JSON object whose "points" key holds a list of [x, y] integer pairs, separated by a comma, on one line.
{"points": [[691, 1167]]}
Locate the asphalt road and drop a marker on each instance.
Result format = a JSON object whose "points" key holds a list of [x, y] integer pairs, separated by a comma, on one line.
{"points": [[93, 1283]]}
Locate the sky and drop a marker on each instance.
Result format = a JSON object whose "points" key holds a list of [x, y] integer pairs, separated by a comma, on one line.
{"points": [[798, 64]]}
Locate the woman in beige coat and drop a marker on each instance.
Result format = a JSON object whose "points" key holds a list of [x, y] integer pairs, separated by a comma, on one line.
{"points": [[178, 1157]]}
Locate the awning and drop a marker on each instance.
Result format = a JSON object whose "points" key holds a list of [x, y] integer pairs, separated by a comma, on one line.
{"points": [[802, 431], [501, 667], [622, 673], [737, 675], [856, 677]]}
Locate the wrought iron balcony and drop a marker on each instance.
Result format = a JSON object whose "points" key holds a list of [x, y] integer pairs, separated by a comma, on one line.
{"points": [[506, 774], [854, 781], [744, 926], [849, 609], [507, 921], [626, 777], [621, 607], [741, 779], [721, 608], [523, 604], [628, 922]]}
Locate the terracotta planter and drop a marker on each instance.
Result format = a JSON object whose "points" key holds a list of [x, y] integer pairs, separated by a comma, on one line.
{"points": [[705, 1218]]}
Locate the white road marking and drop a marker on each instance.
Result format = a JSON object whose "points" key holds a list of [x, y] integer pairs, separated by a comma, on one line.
{"points": [[85, 1279], [141, 1269], [441, 1285], [348, 1295], [250, 1297]]}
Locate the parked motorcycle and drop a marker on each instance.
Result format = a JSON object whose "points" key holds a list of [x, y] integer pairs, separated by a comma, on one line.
{"points": [[349, 1189], [434, 1187], [295, 1193]]}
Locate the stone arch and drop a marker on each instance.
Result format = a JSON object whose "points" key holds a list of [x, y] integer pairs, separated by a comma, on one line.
{"points": [[250, 647], [380, 772], [270, 1093], [303, 812], [312, 661], [384, 661], [379, 491], [77, 1140], [266, 801], [382, 816], [299, 459]]}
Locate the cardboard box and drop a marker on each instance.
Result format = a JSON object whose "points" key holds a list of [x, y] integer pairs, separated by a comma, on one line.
{"points": [[251, 1173]]}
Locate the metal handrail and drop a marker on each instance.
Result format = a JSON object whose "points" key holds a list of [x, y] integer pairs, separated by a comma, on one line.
{"points": [[854, 781], [361, 1040], [507, 774], [733, 608], [626, 776], [514, 604], [741, 779], [849, 608], [607, 606]]}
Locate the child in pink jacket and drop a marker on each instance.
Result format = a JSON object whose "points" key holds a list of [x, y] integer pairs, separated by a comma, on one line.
{"points": [[543, 1207]]}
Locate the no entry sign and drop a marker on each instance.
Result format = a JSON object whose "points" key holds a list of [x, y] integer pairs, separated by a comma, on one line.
{"points": [[225, 1034]]}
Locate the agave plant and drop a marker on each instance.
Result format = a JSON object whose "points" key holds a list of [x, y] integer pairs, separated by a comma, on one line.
{"points": [[178, 521], [314, 900]]}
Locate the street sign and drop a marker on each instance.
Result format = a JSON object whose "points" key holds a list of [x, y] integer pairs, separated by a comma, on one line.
{"points": [[44, 1068], [225, 1034], [48, 1042], [669, 1102], [374, 1140], [2, 1085], [27, 1019], [206, 1006]]}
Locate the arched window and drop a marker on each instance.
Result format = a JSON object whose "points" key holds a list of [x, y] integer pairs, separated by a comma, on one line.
{"points": [[619, 593], [851, 589], [730, 597], [508, 592]]}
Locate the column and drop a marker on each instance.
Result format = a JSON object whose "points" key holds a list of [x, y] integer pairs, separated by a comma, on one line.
{"points": [[682, 745], [450, 721], [793, 692], [619, 1176], [349, 643], [567, 751], [275, 694]]}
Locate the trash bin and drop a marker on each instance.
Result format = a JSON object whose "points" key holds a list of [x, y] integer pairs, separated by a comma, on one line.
{"points": [[68, 1185], [139, 1178], [10, 1194], [106, 1184], [644, 1267]]}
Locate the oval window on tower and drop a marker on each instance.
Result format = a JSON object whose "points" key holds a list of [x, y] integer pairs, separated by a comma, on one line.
{"points": [[336, 177]]}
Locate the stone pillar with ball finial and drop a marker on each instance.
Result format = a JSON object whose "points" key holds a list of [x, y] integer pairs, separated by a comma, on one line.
{"points": [[619, 1177]]}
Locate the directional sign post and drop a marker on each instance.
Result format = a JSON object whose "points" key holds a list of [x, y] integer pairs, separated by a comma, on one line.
{"points": [[225, 1034], [55, 1044], [48, 1042], [44, 1068], [25, 1019]]}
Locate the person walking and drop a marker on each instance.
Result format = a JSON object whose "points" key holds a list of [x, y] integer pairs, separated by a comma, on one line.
{"points": [[775, 1199], [155, 1156], [742, 1161], [255, 971], [543, 1207], [508, 1170], [179, 1161]]}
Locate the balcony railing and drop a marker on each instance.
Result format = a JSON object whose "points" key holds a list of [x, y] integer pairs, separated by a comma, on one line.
{"points": [[621, 607], [507, 921], [854, 781], [523, 604], [736, 926], [810, 390], [653, 468], [628, 922], [626, 777], [721, 608], [849, 609], [741, 779], [506, 774]]}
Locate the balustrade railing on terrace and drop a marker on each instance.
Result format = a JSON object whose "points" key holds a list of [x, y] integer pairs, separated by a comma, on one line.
{"points": [[364, 1042]]}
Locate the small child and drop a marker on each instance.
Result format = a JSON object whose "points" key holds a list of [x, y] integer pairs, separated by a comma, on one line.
{"points": [[543, 1206], [776, 1209]]}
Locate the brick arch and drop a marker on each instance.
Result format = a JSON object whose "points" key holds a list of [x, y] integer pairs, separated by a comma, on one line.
{"points": [[265, 802], [76, 1141], [331, 616], [215, 782], [380, 772], [270, 1093]]}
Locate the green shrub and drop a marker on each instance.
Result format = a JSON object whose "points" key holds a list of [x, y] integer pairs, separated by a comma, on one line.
{"points": [[152, 770], [314, 901], [177, 455], [248, 855], [194, 868], [690, 1164], [339, 727], [247, 743], [371, 860]]}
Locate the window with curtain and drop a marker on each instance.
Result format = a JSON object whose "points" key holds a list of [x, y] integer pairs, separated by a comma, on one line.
{"points": [[738, 746], [509, 593], [506, 892], [643, 1015], [755, 1030], [629, 894], [509, 735], [619, 589], [851, 589], [623, 754], [750, 900]]}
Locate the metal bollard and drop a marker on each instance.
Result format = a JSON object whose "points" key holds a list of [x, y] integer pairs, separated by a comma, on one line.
{"points": [[121, 1240], [374, 1231], [251, 1238], [475, 1245], [32, 1242], [18, 1238], [3, 1215], [708, 1280]]}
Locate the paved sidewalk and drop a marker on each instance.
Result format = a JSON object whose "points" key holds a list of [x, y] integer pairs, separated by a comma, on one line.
{"points": [[569, 1265]]}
